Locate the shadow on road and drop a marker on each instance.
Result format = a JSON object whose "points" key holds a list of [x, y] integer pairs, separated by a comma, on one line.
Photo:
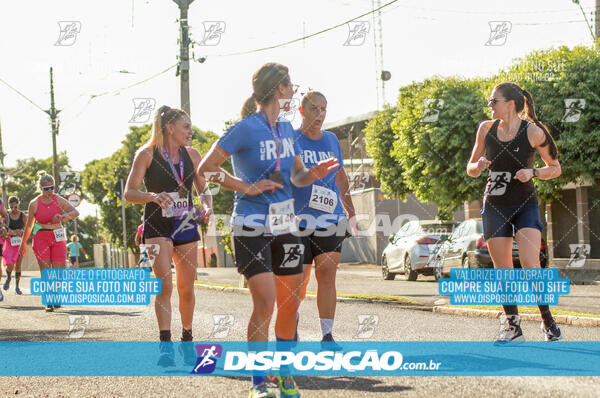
{"points": [[339, 383], [64, 310]]}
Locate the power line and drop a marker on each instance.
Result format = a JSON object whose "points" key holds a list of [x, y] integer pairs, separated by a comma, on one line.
{"points": [[116, 92], [22, 95], [308, 36]]}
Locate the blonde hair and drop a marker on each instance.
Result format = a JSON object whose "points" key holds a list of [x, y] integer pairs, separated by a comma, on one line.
{"points": [[44, 178], [309, 97], [163, 116], [264, 83], [74, 238]]}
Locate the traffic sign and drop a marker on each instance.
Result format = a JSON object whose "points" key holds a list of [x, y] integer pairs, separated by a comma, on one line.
{"points": [[74, 199]]}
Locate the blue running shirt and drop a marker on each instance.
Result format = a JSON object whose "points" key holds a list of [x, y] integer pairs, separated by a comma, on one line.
{"points": [[312, 152], [253, 151]]}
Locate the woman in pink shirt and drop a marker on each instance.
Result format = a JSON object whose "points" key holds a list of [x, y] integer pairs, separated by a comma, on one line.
{"points": [[49, 243]]}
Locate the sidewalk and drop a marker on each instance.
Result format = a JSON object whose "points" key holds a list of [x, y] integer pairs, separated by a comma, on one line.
{"points": [[365, 279]]}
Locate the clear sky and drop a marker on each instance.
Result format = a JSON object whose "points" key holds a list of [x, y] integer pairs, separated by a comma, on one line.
{"points": [[421, 38]]}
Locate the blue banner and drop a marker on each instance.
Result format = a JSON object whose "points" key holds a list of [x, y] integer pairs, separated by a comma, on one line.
{"points": [[528, 286], [237, 358], [95, 286]]}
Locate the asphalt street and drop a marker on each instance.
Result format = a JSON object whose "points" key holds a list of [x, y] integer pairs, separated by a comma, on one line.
{"points": [[23, 319]]}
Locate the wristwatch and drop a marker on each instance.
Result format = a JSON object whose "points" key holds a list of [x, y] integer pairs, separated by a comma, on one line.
{"points": [[535, 172]]}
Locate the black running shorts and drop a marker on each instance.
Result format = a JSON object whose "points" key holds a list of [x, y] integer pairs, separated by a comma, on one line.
{"points": [[281, 254]]}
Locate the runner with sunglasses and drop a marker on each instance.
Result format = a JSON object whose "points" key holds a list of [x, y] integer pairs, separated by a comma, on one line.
{"points": [[266, 161], [16, 224], [166, 165], [320, 207], [49, 210], [510, 203]]}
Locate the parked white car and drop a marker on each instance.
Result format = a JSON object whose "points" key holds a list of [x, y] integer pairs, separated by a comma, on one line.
{"points": [[409, 249]]}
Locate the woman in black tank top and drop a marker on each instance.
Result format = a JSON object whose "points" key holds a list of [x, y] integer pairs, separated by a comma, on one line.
{"points": [[166, 166], [507, 147], [16, 225]]}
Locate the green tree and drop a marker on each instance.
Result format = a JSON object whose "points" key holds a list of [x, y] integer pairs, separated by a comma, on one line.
{"points": [[380, 138], [433, 130], [22, 180], [553, 76]]}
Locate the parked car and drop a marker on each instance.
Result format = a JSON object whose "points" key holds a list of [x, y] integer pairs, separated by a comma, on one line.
{"points": [[409, 249], [466, 248]]}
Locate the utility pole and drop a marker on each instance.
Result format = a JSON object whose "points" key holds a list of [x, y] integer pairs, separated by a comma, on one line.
{"points": [[3, 175], [124, 223], [597, 20], [184, 54], [53, 113]]}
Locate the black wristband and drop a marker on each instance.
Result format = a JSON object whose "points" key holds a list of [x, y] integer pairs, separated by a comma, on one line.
{"points": [[535, 172]]}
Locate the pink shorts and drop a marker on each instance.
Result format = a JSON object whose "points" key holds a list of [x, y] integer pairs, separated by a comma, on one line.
{"points": [[46, 248], [10, 253]]}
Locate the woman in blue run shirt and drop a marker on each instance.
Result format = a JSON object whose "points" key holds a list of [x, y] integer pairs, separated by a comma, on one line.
{"points": [[266, 162], [320, 207]]}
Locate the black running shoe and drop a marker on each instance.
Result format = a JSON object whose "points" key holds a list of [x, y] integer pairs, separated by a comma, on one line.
{"points": [[49, 308], [329, 344], [167, 354], [510, 330], [552, 333], [7, 284], [18, 291], [1, 297]]}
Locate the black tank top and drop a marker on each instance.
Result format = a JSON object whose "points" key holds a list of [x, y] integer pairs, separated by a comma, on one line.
{"points": [[507, 158], [160, 178], [16, 224]]}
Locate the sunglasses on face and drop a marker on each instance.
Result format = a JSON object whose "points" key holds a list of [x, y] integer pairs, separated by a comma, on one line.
{"points": [[13, 207], [494, 101], [48, 188], [295, 87]]}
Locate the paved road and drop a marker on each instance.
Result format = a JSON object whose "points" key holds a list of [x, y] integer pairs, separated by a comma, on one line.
{"points": [[22, 318], [366, 279]]}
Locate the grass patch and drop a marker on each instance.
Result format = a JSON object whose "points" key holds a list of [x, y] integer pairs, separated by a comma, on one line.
{"points": [[380, 297], [525, 310], [214, 284], [376, 297]]}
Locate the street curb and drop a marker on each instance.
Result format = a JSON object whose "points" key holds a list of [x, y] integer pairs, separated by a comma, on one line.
{"points": [[478, 313], [244, 290]]}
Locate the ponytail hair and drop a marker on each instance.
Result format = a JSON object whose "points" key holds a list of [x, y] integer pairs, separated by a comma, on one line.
{"points": [[264, 83], [44, 178], [524, 101], [163, 116]]}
